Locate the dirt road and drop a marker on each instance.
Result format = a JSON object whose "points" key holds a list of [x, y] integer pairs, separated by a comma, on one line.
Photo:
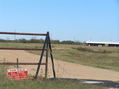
{"points": [[63, 69]]}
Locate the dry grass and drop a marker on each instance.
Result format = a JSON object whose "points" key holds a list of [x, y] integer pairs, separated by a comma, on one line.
{"points": [[102, 57]]}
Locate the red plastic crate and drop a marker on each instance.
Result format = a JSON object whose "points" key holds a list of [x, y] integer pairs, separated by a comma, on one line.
{"points": [[17, 74]]}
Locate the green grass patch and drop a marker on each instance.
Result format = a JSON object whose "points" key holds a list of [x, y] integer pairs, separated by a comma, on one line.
{"points": [[46, 84], [6, 83]]}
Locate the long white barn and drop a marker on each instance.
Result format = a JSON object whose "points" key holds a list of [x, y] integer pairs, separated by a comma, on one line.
{"points": [[110, 44]]}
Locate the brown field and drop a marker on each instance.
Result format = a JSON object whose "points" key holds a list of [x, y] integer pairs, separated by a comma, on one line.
{"points": [[63, 69]]}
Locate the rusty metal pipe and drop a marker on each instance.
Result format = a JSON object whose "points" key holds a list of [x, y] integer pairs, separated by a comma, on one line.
{"points": [[12, 63], [21, 49], [15, 33]]}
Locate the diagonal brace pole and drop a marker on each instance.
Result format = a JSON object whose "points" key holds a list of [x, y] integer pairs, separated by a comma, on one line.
{"points": [[40, 61], [53, 66]]}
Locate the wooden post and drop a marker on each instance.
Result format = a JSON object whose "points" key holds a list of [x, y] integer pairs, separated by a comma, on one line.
{"points": [[17, 63]]}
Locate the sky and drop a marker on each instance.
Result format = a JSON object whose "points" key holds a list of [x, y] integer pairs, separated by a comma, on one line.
{"points": [[77, 20]]}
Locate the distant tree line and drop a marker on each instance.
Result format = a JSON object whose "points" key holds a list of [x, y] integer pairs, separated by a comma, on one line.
{"points": [[40, 41], [23, 40]]}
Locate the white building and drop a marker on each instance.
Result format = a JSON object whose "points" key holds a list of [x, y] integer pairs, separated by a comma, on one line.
{"points": [[110, 44]]}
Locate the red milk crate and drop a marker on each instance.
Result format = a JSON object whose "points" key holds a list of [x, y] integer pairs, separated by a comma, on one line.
{"points": [[17, 73]]}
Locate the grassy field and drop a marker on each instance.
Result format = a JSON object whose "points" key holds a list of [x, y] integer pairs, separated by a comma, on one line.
{"points": [[46, 84], [101, 57], [5, 83]]}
